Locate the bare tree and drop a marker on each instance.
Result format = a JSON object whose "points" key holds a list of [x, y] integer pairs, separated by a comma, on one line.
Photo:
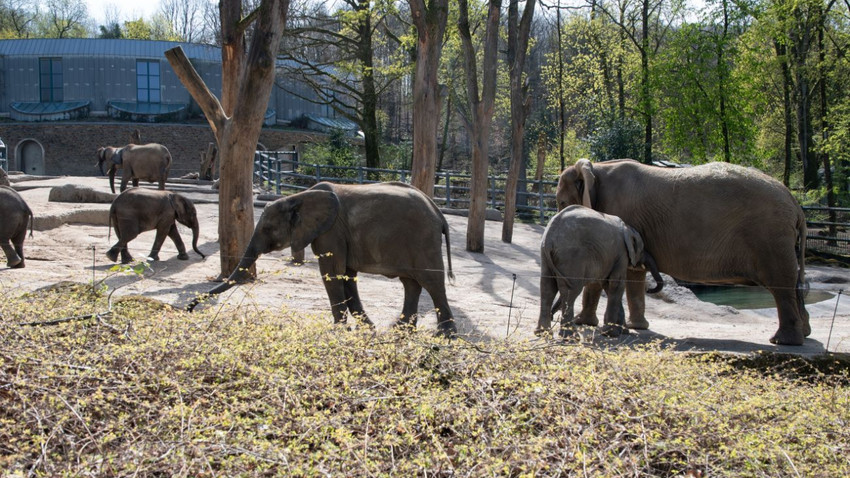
{"points": [[518, 34], [236, 122], [430, 21], [65, 18], [17, 18], [185, 16], [480, 115]]}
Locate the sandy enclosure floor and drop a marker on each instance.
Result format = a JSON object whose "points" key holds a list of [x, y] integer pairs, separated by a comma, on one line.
{"points": [[495, 294]]}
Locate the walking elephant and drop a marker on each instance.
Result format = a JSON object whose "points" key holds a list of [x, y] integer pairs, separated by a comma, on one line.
{"points": [[390, 229], [582, 246], [148, 162], [138, 210], [716, 224], [15, 215]]}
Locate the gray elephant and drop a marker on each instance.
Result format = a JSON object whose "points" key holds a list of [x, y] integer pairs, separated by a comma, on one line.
{"points": [[148, 162], [582, 246], [138, 210], [387, 228], [716, 224], [15, 214]]}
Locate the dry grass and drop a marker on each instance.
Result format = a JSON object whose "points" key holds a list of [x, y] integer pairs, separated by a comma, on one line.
{"points": [[149, 391]]}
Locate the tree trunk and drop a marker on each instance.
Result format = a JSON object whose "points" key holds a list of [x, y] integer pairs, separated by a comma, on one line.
{"points": [[646, 99], [430, 24], [370, 95], [248, 96], [518, 34], [782, 57], [482, 108]]}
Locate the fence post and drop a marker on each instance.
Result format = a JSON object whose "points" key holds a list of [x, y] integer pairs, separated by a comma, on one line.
{"points": [[403, 175], [360, 174], [540, 202], [318, 173], [448, 189], [493, 190], [277, 180]]}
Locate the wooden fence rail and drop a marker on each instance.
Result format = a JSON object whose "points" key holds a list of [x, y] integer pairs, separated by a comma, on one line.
{"points": [[281, 172]]}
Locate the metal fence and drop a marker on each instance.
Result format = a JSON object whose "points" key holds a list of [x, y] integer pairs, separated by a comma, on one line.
{"points": [[281, 172]]}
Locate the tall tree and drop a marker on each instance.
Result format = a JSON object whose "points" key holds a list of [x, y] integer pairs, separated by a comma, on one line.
{"points": [[481, 104], [17, 18], [247, 80], [518, 34], [185, 17], [430, 21], [65, 19]]}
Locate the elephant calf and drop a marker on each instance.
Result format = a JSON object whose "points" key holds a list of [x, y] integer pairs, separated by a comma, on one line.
{"points": [[138, 210], [13, 227], [390, 229], [582, 246]]}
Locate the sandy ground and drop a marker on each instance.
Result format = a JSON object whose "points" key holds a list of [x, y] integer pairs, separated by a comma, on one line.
{"points": [[495, 294]]}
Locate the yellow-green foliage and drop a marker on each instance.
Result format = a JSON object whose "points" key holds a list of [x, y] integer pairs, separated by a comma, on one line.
{"points": [[148, 390]]}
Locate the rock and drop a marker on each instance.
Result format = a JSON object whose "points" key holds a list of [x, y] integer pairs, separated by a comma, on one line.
{"points": [[79, 194], [97, 217]]}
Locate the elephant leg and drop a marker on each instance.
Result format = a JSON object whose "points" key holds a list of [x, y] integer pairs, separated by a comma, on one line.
{"points": [[126, 232], [548, 291], [435, 284], [589, 302], [410, 310], [331, 267], [18, 243], [614, 313], [793, 325], [13, 260], [352, 298], [125, 177], [161, 234], [636, 297], [298, 256], [178, 242], [568, 299], [136, 182]]}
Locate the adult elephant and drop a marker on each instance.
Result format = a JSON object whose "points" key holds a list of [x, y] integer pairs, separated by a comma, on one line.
{"points": [[390, 229], [716, 224], [138, 210], [148, 162], [15, 215]]}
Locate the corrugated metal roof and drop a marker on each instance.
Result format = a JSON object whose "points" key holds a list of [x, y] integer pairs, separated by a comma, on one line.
{"points": [[104, 47]]}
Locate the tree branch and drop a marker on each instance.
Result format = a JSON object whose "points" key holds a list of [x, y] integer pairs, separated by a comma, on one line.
{"points": [[197, 88]]}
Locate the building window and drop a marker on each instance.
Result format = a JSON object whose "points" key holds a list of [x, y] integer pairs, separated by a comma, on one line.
{"points": [[147, 81], [50, 76]]}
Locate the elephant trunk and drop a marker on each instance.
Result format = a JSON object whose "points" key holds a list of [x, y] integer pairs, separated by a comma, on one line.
{"points": [[100, 166], [240, 275], [650, 264], [112, 171], [195, 231]]}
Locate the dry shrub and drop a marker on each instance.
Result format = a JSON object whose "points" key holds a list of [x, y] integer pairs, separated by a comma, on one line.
{"points": [[151, 391]]}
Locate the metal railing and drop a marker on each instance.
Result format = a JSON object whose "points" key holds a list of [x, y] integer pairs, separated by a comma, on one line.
{"points": [[281, 172], [828, 229]]}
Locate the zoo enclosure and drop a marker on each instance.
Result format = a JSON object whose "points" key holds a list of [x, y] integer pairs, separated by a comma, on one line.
{"points": [[281, 172]]}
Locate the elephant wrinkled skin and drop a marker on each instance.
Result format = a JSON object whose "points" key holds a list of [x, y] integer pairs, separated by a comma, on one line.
{"points": [[582, 246], [715, 224], [147, 162], [138, 210], [14, 215], [390, 229]]}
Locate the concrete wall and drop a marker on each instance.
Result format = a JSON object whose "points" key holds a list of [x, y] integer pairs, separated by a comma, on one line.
{"points": [[69, 148]]}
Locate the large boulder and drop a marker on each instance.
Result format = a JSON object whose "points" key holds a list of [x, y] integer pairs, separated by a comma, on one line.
{"points": [[79, 194]]}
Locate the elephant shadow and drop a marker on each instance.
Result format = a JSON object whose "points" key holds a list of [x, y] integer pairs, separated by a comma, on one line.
{"points": [[639, 338], [160, 269]]}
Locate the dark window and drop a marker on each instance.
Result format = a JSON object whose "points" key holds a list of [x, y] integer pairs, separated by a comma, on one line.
{"points": [[147, 81], [50, 80]]}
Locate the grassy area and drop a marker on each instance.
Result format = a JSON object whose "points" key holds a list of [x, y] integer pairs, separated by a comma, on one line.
{"points": [[147, 390]]}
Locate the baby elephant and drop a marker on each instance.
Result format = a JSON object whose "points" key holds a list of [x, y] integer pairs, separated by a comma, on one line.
{"points": [[137, 210], [582, 246], [13, 227]]}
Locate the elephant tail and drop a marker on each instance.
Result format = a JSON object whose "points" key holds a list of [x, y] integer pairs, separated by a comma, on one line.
{"points": [[448, 249], [32, 220]]}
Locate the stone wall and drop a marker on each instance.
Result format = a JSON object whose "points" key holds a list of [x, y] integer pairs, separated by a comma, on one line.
{"points": [[70, 147]]}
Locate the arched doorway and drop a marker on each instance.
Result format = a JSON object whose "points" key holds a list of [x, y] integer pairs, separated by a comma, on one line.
{"points": [[31, 157]]}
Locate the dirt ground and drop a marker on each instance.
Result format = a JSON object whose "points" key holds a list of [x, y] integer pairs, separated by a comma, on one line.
{"points": [[495, 294]]}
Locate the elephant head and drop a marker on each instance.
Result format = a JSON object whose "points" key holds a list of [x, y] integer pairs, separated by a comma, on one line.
{"points": [[295, 222], [107, 154], [186, 214], [577, 185], [640, 257]]}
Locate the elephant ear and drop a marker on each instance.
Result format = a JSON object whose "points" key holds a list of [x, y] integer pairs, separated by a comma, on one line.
{"points": [[587, 181], [634, 245], [180, 206], [312, 213]]}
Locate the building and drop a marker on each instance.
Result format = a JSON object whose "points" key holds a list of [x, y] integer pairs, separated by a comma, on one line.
{"points": [[52, 88]]}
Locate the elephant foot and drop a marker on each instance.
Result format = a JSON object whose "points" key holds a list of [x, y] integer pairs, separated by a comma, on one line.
{"points": [[446, 329], [19, 265], [154, 257], [611, 330], [126, 259], [543, 332], [586, 319], [637, 323], [112, 255], [183, 256], [787, 337], [567, 332], [15, 263]]}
